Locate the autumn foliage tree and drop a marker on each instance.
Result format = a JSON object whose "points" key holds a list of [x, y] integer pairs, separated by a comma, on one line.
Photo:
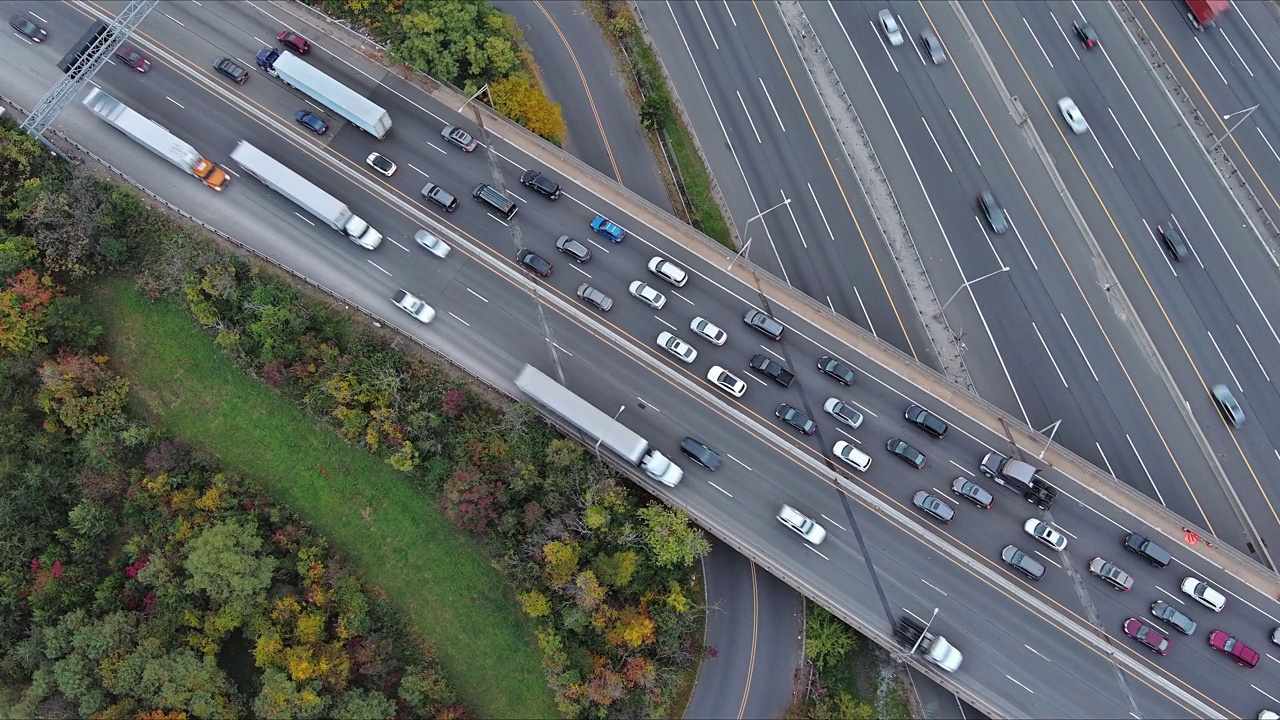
{"points": [[81, 392], [523, 100], [22, 306]]}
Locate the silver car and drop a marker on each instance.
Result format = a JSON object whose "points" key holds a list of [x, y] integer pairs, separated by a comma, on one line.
{"points": [[932, 46], [1231, 409], [842, 412], [1071, 113], [433, 244], [890, 27]]}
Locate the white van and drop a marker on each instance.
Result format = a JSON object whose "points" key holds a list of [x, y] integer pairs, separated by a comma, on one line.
{"points": [[852, 455]]}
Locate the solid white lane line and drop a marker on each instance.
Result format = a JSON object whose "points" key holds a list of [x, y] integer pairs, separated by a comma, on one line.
{"points": [[770, 99], [1055, 564], [1070, 43], [673, 292], [455, 317], [935, 144], [1255, 687], [748, 467], [1033, 37], [935, 587], [1144, 469], [1269, 146], [771, 352], [556, 345], [833, 522], [928, 200], [1155, 237], [966, 137], [870, 325], [1234, 50], [1256, 38], [1051, 359], [1110, 471], [794, 221], [704, 22], [664, 322], [1211, 62], [889, 54], [417, 169], [820, 213], [726, 9], [473, 292], [1024, 687], [1079, 347], [1008, 218], [1224, 361], [1195, 254], [1105, 156], [747, 112], [1255, 355], [726, 492], [962, 468], [575, 267], [384, 271]]}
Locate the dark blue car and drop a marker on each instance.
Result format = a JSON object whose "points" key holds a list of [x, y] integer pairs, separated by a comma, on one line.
{"points": [[307, 118], [607, 228]]}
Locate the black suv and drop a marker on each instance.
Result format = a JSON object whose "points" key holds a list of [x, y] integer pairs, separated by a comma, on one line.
{"points": [[993, 211], [795, 419], [536, 181], [902, 449], [1147, 550], [574, 249], [699, 453], [1022, 562], [1173, 241], [534, 262], [926, 421], [231, 70], [438, 195], [764, 323], [836, 369]]}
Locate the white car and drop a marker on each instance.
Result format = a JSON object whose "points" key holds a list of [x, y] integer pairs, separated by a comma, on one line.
{"points": [[379, 162], [668, 271], [1072, 115], [651, 297], [727, 381], [842, 412], [712, 333], [1204, 594], [415, 307], [433, 244], [1046, 533], [677, 347], [890, 27], [796, 520]]}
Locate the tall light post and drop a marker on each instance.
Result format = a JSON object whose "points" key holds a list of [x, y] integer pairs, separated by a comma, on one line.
{"points": [[615, 417], [747, 245], [483, 89], [1246, 112], [967, 283]]}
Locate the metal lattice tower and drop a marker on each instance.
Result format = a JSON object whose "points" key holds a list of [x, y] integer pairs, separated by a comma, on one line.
{"points": [[94, 58]]}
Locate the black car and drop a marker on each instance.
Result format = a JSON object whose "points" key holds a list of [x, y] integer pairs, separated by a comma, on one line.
{"points": [[836, 369], [439, 196], [574, 249], [972, 491], [538, 182], [588, 294], [28, 29], [795, 419], [534, 262], [993, 212], [931, 505], [1088, 36], [1173, 241], [1174, 617], [902, 449], [699, 453], [764, 323], [310, 119], [231, 70], [926, 421]]}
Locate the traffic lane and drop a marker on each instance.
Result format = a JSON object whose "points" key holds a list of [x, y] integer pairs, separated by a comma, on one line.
{"points": [[904, 168], [783, 152], [578, 73], [1153, 400]]}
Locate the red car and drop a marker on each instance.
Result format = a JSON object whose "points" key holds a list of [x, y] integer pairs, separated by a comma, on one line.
{"points": [[1146, 635], [1236, 650], [132, 58], [293, 40]]}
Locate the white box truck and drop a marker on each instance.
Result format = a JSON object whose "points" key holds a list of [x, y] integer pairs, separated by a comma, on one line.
{"points": [[151, 136], [305, 195], [296, 73], [597, 425]]}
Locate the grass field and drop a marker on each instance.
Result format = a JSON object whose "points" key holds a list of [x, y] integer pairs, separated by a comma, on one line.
{"points": [[435, 573]]}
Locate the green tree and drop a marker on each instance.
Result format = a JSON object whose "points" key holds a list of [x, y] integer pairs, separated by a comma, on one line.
{"points": [[672, 540], [69, 324], [425, 691], [827, 640], [181, 680], [841, 706], [359, 704], [17, 252], [226, 561], [463, 42], [81, 392], [283, 699]]}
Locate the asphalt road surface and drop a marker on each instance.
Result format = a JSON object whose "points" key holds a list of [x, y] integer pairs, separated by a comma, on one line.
{"points": [[1049, 649]]}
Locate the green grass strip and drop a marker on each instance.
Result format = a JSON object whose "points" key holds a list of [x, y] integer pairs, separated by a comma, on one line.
{"points": [[393, 535]]}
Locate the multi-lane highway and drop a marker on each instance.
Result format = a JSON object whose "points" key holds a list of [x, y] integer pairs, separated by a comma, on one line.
{"points": [[1051, 649]]}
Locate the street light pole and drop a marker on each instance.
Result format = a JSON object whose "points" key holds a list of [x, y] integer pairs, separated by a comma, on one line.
{"points": [[922, 634], [747, 224], [483, 89], [615, 417], [1247, 112], [967, 283]]}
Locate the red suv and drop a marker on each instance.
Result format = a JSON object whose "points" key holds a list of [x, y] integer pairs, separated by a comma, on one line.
{"points": [[293, 40], [1236, 650]]}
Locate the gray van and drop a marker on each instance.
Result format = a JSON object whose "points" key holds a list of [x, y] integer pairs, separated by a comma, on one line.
{"points": [[496, 199]]}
